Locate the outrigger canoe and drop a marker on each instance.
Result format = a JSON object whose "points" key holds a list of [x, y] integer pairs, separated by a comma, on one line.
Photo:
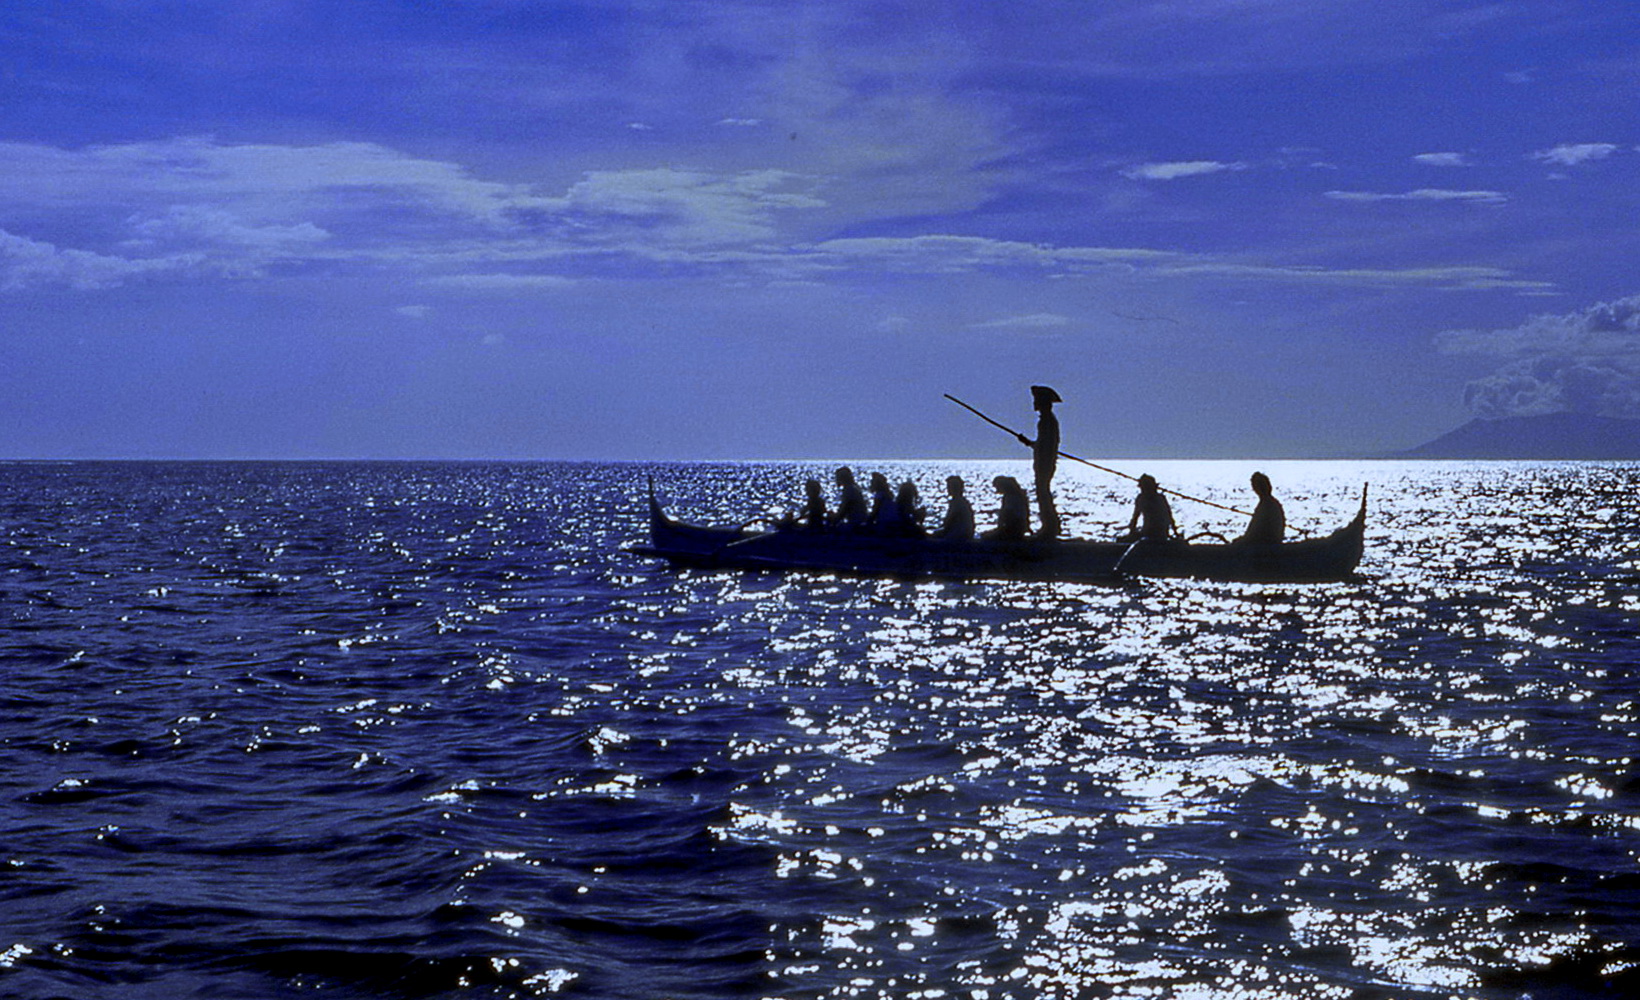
{"points": [[1330, 558]]}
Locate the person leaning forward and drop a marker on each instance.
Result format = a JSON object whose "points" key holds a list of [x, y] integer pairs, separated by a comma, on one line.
{"points": [[1045, 457], [907, 514], [1014, 517], [1152, 516]]}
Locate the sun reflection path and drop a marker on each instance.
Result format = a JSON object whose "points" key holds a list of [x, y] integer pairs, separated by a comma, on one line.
{"points": [[1208, 790]]}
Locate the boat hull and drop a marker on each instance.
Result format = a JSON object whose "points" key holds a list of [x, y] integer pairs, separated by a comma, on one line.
{"points": [[871, 555], [1334, 557], [1315, 560]]}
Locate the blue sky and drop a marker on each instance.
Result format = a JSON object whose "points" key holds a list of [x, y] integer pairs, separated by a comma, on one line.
{"points": [[632, 229]]}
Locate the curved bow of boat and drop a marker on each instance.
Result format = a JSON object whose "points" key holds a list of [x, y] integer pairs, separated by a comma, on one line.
{"points": [[681, 542], [657, 516]]}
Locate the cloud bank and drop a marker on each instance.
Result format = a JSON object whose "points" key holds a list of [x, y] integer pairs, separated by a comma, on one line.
{"points": [[1581, 362], [100, 216], [104, 215], [27, 264]]}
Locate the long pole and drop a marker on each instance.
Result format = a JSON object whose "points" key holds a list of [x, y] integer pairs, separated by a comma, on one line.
{"points": [[1095, 465]]}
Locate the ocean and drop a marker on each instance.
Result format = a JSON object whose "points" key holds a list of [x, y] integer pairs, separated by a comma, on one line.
{"points": [[399, 730]]}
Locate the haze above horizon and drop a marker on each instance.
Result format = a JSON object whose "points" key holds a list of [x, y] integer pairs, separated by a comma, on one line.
{"points": [[622, 229]]}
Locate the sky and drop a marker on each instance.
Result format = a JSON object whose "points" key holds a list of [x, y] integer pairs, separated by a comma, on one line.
{"points": [[663, 229]]}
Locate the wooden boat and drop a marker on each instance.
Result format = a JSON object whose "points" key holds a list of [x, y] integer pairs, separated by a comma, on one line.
{"points": [[1333, 557]]}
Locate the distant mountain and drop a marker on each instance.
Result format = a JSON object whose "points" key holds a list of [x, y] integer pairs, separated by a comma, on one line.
{"points": [[1572, 436]]}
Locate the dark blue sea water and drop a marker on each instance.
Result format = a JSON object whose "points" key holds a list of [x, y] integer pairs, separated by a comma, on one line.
{"points": [[404, 731]]}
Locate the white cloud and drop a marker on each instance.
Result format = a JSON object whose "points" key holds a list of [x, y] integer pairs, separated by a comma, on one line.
{"points": [[207, 224], [1424, 194], [1606, 330], [1586, 362], [1574, 154], [949, 254], [1442, 159], [1556, 385], [244, 208], [194, 207], [741, 122], [415, 312], [1032, 321], [502, 282], [686, 206], [1175, 170], [965, 254], [931, 143], [26, 263], [261, 183], [1447, 278]]}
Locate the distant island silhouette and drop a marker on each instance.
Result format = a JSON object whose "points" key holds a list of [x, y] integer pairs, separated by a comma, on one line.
{"points": [[1549, 436]]}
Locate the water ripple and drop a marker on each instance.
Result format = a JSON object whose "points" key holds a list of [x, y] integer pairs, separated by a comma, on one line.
{"points": [[409, 730]]}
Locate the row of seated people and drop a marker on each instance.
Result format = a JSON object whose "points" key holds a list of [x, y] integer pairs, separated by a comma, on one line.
{"points": [[898, 513]]}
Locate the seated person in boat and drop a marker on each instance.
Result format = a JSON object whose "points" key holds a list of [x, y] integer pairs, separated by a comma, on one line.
{"points": [[1014, 517], [901, 516], [1152, 516], [1269, 522], [959, 513], [851, 503], [882, 501], [813, 515], [912, 513]]}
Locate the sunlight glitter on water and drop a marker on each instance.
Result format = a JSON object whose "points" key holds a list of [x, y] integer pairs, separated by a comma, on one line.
{"points": [[436, 705], [1182, 669]]}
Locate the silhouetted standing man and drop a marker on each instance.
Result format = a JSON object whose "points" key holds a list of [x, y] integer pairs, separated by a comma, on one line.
{"points": [[1045, 457]]}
